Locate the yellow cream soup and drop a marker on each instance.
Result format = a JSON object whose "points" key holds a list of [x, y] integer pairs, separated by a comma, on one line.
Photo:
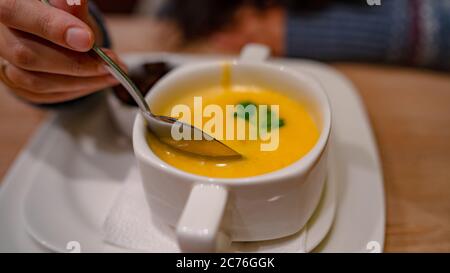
{"points": [[297, 135]]}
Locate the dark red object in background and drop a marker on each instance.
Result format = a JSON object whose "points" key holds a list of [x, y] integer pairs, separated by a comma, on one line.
{"points": [[144, 76]]}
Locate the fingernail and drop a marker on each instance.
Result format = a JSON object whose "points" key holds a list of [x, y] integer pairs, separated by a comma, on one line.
{"points": [[78, 39]]}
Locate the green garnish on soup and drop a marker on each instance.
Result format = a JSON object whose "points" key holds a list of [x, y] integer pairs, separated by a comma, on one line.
{"points": [[249, 109]]}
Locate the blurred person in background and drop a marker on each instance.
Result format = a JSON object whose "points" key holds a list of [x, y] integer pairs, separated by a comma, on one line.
{"points": [[43, 48], [411, 32]]}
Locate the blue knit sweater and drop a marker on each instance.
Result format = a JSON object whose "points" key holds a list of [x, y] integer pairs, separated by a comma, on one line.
{"points": [[413, 32]]}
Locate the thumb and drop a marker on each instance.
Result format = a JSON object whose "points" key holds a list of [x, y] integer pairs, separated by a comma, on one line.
{"points": [[78, 8]]}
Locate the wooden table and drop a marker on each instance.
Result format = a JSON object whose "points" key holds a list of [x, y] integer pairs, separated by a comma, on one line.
{"points": [[409, 110]]}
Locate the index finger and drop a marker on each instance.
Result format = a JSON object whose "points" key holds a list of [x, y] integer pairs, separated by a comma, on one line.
{"points": [[47, 22]]}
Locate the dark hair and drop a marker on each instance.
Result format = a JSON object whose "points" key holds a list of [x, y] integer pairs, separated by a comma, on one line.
{"points": [[197, 18]]}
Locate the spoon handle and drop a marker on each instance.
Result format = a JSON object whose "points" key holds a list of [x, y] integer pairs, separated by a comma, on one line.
{"points": [[120, 75], [123, 78]]}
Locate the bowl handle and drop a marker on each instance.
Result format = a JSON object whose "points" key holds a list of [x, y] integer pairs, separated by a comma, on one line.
{"points": [[254, 53], [199, 227]]}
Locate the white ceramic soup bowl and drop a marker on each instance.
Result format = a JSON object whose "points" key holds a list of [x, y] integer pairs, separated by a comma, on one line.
{"points": [[209, 213]]}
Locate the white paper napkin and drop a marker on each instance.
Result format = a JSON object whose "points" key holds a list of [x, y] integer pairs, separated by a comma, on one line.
{"points": [[129, 224]]}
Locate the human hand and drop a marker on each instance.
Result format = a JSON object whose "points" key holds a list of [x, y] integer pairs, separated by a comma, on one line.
{"points": [[44, 51]]}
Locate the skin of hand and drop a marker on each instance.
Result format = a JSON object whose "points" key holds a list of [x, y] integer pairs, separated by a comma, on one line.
{"points": [[252, 25], [45, 51]]}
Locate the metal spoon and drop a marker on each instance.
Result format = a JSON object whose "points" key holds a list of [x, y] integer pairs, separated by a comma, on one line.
{"points": [[161, 126]]}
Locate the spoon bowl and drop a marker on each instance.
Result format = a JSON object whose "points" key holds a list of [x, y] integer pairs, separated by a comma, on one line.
{"points": [[208, 146]]}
